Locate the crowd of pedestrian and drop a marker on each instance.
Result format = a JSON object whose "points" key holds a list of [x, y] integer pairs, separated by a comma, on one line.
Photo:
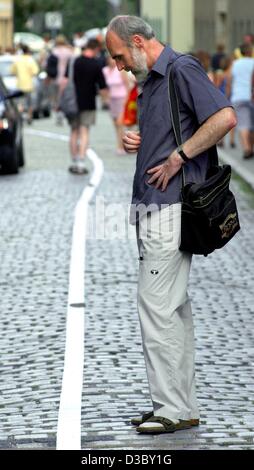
{"points": [[233, 74], [95, 72]]}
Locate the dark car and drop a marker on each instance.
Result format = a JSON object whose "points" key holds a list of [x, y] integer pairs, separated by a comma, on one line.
{"points": [[11, 141]]}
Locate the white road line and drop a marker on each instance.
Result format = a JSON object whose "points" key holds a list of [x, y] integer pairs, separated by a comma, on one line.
{"points": [[49, 135], [69, 418]]}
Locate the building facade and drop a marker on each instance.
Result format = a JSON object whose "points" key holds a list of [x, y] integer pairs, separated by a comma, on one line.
{"points": [[172, 21], [6, 23], [222, 21], [189, 25]]}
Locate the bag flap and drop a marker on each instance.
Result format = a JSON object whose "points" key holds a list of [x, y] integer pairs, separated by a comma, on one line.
{"points": [[218, 177]]}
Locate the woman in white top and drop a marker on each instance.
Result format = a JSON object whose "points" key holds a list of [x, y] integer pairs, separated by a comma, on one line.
{"points": [[241, 86]]}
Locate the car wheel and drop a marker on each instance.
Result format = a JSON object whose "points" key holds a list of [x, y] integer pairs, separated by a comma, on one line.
{"points": [[11, 163], [21, 154]]}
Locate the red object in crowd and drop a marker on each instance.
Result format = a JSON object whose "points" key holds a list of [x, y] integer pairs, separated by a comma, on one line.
{"points": [[130, 110]]}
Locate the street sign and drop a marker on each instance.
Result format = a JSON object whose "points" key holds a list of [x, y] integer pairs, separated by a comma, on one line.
{"points": [[53, 20]]}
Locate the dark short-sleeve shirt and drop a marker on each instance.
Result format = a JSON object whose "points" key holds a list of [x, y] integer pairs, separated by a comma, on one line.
{"points": [[88, 77], [198, 100]]}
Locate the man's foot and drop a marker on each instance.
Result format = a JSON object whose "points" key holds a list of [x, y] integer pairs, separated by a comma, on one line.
{"points": [[78, 167], [143, 418], [59, 118], [160, 425]]}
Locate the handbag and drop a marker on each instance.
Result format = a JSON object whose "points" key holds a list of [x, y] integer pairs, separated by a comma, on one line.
{"points": [[68, 100], [209, 216]]}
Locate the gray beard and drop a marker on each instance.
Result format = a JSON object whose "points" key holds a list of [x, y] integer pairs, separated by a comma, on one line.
{"points": [[141, 69]]}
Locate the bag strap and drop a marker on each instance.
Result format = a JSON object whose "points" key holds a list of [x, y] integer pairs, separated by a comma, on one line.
{"points": [[175, 114], [174, 108]]}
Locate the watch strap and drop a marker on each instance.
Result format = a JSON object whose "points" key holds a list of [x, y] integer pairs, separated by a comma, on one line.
{"points": [[182, 154]]}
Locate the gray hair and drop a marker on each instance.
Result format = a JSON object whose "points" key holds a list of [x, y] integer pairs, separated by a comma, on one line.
{"points": [[125, 26]]}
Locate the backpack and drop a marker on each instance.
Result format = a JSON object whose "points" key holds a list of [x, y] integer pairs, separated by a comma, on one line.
{"points": [[68, 100], [52, 66]]}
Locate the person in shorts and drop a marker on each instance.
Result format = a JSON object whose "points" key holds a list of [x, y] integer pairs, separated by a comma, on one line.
{"points": [[88, 78]]}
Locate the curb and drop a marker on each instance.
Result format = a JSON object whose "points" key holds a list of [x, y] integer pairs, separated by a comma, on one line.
{"points": [[236, 166]]}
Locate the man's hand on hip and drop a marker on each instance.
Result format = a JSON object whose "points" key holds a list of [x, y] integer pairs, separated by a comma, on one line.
{"points": [[161, 174], [131, 141]]}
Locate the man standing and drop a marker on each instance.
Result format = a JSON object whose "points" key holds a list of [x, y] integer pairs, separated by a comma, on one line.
{"points": [[26, 68], [163, 303], [88, 78]]}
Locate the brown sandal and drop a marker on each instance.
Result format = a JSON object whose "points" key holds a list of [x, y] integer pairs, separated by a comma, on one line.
{"points": [[167, 426]]}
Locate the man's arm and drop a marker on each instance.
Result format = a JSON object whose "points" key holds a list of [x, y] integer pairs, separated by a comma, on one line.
{"points": [[205, 137], [34, 67], [13, 69], [211, 132]]}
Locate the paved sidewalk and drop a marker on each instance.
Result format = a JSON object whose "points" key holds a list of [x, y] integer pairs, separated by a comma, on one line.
{"points": [[37, 209], [115, 386]]}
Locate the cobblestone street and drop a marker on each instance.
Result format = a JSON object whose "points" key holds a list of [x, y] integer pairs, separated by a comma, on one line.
{"points": [[37, 211]]}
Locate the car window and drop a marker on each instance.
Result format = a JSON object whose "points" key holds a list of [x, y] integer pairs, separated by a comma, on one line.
{"points": [[5, 68]]}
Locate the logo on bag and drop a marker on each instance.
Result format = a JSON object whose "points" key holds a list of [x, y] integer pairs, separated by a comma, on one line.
{"points": [[229, 225], [154, 271]]}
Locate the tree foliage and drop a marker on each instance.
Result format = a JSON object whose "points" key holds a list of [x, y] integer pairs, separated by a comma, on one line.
{"points": [[23, 9], [78, 15], [86, 14]]}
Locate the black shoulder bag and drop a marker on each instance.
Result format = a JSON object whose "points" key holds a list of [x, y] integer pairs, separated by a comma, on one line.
{"points": [[209, 212]]}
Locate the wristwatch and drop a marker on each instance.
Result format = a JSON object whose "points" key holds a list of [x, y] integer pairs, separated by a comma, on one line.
{"points": [[182, 154]]}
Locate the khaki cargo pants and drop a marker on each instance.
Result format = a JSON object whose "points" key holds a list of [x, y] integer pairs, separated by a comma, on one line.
{"points": [[165, 315]]}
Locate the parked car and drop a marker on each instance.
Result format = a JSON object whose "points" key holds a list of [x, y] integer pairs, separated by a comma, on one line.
{"points": [[40, 97], [11, 135], [93, 33], [33, 41]]}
